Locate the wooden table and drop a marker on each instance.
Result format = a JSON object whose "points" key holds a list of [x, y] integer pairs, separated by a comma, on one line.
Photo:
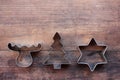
{"points": [[29, 22]]}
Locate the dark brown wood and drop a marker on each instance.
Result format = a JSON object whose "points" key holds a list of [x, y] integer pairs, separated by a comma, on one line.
{"points": [[29, 22]]}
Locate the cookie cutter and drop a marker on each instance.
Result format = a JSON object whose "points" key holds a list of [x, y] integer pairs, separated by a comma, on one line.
{"points": [[24, 58], [57, 55], [92, 54]]}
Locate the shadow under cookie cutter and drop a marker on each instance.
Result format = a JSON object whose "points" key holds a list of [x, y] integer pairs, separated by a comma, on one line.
{"points": [[24, 58], [92, 54], [57, 55]]}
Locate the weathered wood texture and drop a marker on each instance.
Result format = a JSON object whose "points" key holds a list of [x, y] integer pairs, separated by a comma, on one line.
{"points": [[36, 21]]}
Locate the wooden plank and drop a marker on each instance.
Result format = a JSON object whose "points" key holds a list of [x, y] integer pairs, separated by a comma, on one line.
{"points": [[79, 35], [9, 71]]}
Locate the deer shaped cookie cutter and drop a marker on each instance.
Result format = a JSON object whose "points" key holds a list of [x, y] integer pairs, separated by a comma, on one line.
{"points": [[24, 58]]}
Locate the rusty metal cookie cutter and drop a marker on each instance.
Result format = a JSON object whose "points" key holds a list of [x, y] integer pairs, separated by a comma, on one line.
{"points": [[57, 55], [24, 59], [92, 54]]}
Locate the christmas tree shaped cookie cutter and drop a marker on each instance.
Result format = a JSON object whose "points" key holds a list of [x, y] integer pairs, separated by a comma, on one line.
{"points": [[57, 55]]}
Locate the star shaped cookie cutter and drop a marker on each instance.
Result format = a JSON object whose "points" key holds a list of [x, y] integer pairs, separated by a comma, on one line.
{"points": [[57, 55], [24, 58], [92, 54]]}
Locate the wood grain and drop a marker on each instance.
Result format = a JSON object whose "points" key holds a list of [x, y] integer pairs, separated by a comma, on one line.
{"points": [[29, 22]]}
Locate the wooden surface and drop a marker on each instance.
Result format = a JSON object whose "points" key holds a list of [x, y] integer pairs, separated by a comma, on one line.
{"points": [[29, 22]]}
